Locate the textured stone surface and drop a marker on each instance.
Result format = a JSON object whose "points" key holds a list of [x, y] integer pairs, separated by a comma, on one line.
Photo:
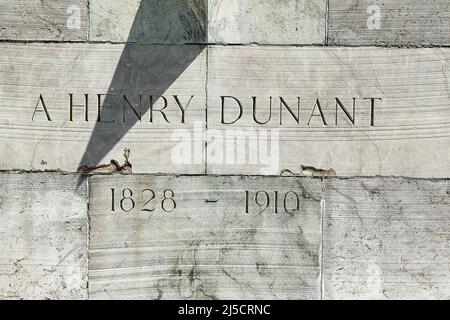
{"points": [[43, 20], [208, 246], [266, 22], [148, 21], [409, 135], [43, 236], [386, 239], [53, 71], [389, 22]]}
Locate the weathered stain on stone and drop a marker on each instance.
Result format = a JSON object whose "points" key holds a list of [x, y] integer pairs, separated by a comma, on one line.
{"points": [[112, 167], [308, 171]]}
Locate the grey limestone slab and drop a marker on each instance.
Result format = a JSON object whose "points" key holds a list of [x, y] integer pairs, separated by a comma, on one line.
{"points": [[36, 20], [208, 21], [43, 236], [389, 22], [148, 21], [196, 237], [266, 21], [359, 111], [386, 238], [70, 105]]}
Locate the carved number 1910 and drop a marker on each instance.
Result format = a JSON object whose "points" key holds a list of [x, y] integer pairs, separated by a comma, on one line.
{"points": [[127, 200], [264, 200]]}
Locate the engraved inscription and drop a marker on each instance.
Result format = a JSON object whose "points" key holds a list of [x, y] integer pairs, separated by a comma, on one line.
{"points": [[125, 108], [274, 202], [146, 200], [303, 112], [125, 200], [263, 110]]}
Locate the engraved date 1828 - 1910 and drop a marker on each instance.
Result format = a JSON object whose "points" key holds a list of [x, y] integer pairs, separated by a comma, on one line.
{"points": [[126, 200]]}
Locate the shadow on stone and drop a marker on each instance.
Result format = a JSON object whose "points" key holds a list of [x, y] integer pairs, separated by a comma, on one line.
{"points": [[170, 21], [146, 70]]}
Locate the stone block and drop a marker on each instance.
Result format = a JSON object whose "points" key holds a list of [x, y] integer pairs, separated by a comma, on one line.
{"points": [[386, 239], [49, 20], [359, 111], [43, 236], [389, 22], [146, 98], [204, 237], [266, 21], [148, 21]]}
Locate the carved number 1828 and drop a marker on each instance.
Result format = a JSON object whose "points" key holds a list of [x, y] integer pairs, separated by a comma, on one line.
{"points": [[127, 200]]}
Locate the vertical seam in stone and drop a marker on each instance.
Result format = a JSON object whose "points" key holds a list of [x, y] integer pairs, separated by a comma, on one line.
{"points": [[322, 217], [206, 25], [88, 234], [327, 14], [88, 22], [206, 110]]}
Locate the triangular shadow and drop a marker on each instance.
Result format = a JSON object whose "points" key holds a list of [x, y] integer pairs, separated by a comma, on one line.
{"points": [[146, 69]]}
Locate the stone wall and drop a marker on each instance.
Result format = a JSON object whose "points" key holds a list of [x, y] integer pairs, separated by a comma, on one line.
{"points": [[273, 149]]}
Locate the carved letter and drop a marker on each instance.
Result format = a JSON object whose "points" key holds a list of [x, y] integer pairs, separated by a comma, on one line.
{"points": [[296, 117], [183, 110], [99, 107], [138, 114], [254, 111], [41, 100], [78, 105], [339, 103], [317, 115], [160, 110], [372, 110], [223, 111]]}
